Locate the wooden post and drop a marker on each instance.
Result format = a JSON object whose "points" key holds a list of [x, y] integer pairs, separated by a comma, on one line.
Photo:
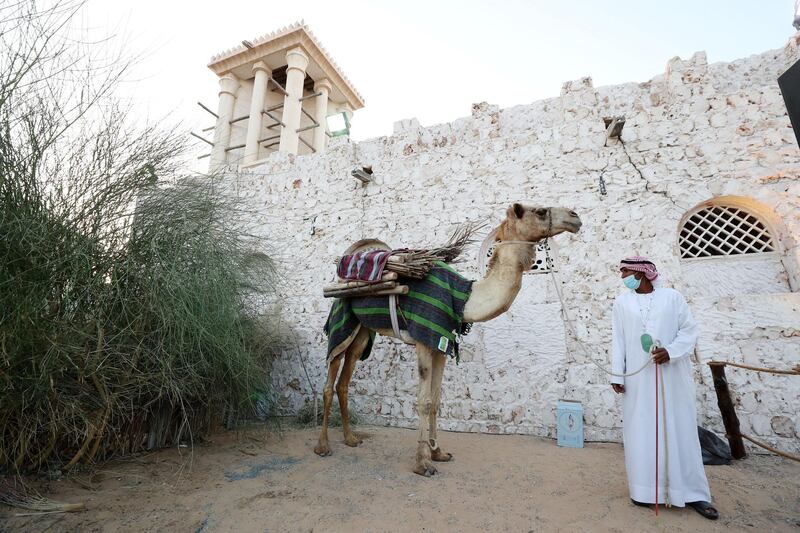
{"points": [[727, 411]]}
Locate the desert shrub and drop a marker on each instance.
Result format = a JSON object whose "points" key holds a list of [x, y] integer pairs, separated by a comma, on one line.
{"points": [[125, 282]]}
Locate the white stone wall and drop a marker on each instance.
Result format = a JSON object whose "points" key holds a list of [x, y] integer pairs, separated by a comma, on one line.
{"points": [[697, 132]]}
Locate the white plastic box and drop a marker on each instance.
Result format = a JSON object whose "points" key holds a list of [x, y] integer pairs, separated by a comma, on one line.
{"points": [[569, 423]]}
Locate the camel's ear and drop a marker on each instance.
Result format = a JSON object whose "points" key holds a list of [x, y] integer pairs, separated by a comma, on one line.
{"points": [[516, 210]]}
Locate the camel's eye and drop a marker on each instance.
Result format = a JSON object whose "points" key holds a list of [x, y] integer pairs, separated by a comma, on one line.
{"points": [[541, 212]]}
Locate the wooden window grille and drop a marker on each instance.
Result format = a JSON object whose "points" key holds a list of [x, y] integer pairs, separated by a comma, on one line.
{"points": [[721, 230]]}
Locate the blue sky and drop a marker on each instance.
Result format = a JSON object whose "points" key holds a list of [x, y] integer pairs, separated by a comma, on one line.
{"points": [[433, 59]]}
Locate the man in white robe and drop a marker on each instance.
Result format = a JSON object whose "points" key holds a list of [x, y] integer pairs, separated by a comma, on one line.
{"points": [[664, 315]]}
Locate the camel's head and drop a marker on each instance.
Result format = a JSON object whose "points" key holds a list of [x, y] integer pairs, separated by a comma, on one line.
{"points": [[529, 223]]}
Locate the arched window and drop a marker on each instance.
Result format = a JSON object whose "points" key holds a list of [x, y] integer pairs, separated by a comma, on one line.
{"points": [[724, 230], [730, 246]]}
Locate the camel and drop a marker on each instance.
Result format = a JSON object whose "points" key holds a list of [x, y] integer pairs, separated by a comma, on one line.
{"points": [[492, 296]]}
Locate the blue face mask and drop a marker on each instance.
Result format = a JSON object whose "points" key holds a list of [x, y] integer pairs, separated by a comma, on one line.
{"points": [[631, 282]]}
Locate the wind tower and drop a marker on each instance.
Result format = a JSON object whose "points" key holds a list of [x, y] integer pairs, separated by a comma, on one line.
{"points": [[279, 92]]}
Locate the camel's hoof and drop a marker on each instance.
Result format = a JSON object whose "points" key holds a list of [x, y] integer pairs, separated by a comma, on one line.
{"points": [[440, 456], [425, 470], [323, 450], [353, 442]]}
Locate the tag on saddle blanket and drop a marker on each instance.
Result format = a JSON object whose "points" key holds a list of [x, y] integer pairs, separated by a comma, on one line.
{"points": [[569, 423]]}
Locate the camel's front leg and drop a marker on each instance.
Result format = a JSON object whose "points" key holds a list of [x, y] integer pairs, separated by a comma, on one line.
{"points": [[322, 448], [439, 360], [424, 466]]}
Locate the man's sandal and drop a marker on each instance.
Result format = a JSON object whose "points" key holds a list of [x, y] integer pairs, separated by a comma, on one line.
{"points": [[640, 504], [705, 509]]}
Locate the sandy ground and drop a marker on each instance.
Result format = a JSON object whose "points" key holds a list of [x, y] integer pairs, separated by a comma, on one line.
{"points": [[258, 482]]}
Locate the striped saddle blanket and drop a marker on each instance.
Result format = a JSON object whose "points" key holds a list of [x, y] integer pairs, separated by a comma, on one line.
{"points": [[431, 312]]}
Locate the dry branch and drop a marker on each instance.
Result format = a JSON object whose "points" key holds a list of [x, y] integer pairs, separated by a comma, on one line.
{"points": [[400, 289], [25, 497], [349, 293], [359, 291], [343, 284]]}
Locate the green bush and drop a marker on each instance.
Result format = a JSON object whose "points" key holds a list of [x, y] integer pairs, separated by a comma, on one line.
{"points": [[126, 320], [121, 349]]}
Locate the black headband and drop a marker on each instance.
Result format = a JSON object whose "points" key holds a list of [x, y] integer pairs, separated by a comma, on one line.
{"points": [[629, 262]]}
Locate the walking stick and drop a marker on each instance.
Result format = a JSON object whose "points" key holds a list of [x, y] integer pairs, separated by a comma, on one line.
{"points": [[656, 500], [649, 345]]}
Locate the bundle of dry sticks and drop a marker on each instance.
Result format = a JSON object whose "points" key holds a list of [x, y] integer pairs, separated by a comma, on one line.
{"points": [[406, 264]]}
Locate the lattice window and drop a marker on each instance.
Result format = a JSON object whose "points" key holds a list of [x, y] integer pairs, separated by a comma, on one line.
{"points": [[721, 230], [543, 262]]}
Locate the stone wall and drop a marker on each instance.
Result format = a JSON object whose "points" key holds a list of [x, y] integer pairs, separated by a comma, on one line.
{"points": [[695, 133]]}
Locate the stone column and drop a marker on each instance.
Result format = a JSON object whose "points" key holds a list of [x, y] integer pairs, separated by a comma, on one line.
{"points": [[297, 62], [262, 73], [323, 87], [222, 131]]}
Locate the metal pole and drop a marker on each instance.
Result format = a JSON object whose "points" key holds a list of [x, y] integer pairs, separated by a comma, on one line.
{"points": [[309, 116], [311, 96], [277, 86], [193, 134], [269, 138], [273, 117], [239, 119], [306, 143], [207, 109]]}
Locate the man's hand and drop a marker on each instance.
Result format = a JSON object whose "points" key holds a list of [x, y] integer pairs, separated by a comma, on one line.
{"points": [[660, 356], [619, 389]]}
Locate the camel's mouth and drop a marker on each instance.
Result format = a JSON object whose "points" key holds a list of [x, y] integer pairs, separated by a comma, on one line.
{"points": [[572, 225]]}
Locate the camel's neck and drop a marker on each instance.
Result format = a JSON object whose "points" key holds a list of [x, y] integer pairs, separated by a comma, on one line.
{"points": [[494, 294]]}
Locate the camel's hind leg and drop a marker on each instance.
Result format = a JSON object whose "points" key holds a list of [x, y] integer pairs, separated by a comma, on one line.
{"points": [[424, 466], [322, 448], [439, 360], [352, 355]]}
